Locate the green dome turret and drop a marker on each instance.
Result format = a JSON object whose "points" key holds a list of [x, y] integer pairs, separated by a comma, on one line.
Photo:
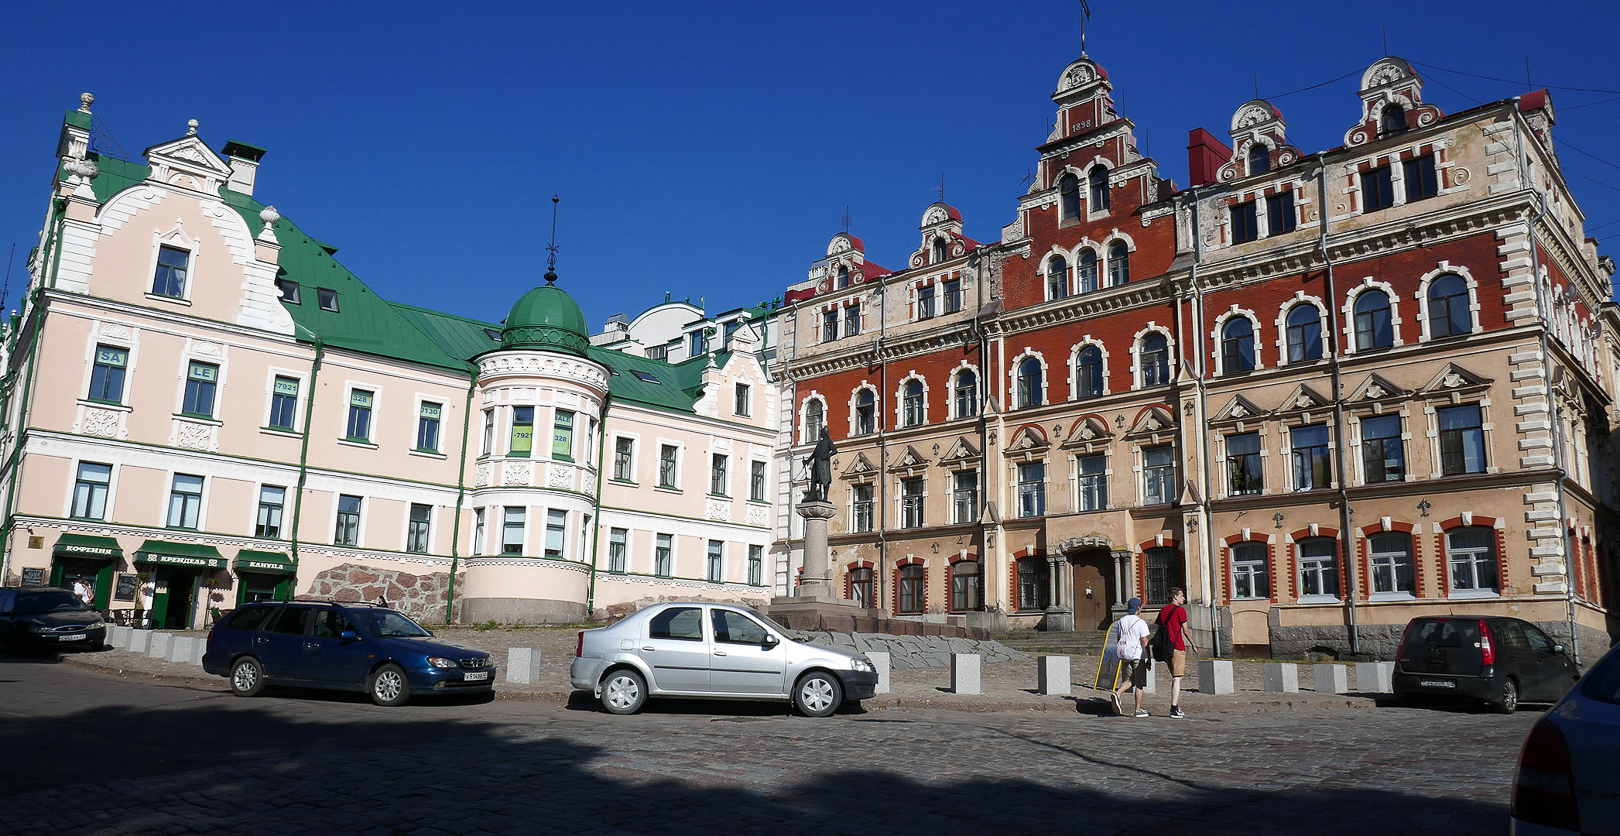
{"points": [[548, 319]]}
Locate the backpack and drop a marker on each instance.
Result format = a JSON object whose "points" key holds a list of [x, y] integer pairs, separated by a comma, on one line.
{"points": [[1161, 646]]}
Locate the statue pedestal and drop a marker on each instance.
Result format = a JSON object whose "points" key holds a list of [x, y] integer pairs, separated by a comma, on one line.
{"points": [[815, 585], [1059, 620]]}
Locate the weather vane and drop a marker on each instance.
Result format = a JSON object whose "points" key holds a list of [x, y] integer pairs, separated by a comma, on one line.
{"points": [[551, 260]]}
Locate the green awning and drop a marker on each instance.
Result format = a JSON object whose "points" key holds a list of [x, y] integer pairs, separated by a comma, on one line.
{"points": [[248, 560], [164, 553], [83, 545]]}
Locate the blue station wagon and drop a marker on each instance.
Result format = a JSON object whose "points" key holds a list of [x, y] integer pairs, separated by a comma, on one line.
{"points": [[347, 646]]}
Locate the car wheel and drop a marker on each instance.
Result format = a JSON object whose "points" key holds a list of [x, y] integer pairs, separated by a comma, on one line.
{"points": [[388, 686], [624, 692], [818, 694], [247, 677], [1507, 700]]}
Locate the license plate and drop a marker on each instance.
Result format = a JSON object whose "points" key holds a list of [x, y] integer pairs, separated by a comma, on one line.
{"points": [[475, 676], [73, 638], [1437, 683]]}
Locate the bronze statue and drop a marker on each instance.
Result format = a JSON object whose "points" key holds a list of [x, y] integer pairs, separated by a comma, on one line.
{"points": [[820, 465]]}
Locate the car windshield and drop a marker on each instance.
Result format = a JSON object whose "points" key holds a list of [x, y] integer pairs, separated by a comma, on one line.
{"points": [[39, 602], [387, 624]]}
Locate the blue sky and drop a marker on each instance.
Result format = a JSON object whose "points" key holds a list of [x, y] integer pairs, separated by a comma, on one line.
{"points": [[709, 150]]}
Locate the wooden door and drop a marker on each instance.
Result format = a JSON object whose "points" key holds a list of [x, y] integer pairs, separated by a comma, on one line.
{"points": [[1090, 610]]}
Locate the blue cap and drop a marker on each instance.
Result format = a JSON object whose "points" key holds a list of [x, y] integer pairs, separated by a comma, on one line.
{"points": [[1133, 606]]}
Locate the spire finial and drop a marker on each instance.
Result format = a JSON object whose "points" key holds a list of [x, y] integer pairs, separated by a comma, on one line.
{"points": [[846, 220], [85, 101], [191, 127], [551, 260], [1085, 15]]}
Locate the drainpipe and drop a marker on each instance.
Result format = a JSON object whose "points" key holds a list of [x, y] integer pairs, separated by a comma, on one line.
{"points": [[596, 533], [1208, 480], [982, 394], [1346, 537], [880, 419], [461, 494], [303, 450]]}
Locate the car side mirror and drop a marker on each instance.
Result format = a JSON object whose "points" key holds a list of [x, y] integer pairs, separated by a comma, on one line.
{"points": [[771, 641], [350, 636]]}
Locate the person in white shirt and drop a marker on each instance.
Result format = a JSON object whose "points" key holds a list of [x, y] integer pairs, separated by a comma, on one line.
{"points": [[1132, 651], [81, 590]]}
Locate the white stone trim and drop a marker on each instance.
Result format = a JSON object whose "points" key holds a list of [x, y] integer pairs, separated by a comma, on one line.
{"points": [[1423, 297], [1350, 299], [1217, 338], [1074, 367]]}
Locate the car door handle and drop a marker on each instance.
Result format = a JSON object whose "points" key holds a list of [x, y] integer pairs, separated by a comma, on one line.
{"points": [[719, 653], [649, 648], [313, 645]]}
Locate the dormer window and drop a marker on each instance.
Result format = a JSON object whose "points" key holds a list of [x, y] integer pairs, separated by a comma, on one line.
{"points": [[327, 298], [843, 277], [1259, 158], [289, 291], [1393, 121], [1069, 189], [1099, 189], [939, 250]]}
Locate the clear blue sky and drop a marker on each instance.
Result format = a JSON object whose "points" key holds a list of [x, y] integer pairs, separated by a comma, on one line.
{"points": [[710, 149]]}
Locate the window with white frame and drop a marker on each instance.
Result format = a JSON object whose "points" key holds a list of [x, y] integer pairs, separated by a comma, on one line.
{"points": [[1091, 485], [829, 325], [1032, 489], [814, 420], [1318, 567], [1374, 320], [743, 401], [718, 483], [556, 532], [912, 403], [1086, 271], [1029, 382], [478, 531], [1280, 215], [1088, 372], [1392, 564], [427, 427], [202, 380], [512, 527], [852, 319], [1155, 359], [925, 301], [1377, 189], [1449, 312], [169, 281], [964, 496], [966, 390], [865, 412], [283, 403], [185, 501], [756, 481], [664, 555], [624, 450], [861, 499], [358, 427], [1313, 469], [1237, 345], [1251, 577], [1119, 264], [347, 530], [716, 561], [756, 565], [90, 491], [1259, 158], [911, 503], [272, 502], [1462, 439], [488, 445], [1383, 454], [1304, 326], [1158, 474], [860, 586], [966, 586], [952, 294], [618, 549], [1245, 223], [1057, 277], [1471, 554], [107, 374], [417, 528], [1244, 464]]}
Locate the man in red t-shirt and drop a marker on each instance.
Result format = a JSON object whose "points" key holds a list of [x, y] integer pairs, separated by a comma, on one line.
{"points": [[1172, 619]]}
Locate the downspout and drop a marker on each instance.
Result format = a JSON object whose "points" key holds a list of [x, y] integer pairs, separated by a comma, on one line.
{"points": [[1208, 487], [1346, 537], [982, 393], [883, 451], [461, 494], [596, 533], [303, 450]]}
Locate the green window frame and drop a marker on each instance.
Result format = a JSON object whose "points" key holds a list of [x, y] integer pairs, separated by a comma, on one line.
{"points": [[361, 402], [107, 375], [562, 435], [427, 426], [202, 382], [522, 441], [283, 403]]}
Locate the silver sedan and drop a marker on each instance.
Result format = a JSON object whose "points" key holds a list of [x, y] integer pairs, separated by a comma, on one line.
{"points": [[707, 650], [1569, 769]]}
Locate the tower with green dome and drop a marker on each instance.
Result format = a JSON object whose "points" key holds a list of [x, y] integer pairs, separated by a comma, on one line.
{"points": [[548, 319]]}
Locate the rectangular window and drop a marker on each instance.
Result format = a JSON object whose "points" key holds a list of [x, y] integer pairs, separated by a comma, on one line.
{"points": [[512, 525], [862, 499], [170, 279], [416, 531], [1158, 474], [658, 352], [666, 466], [730, 328], [756, 481], [478, 531], [1250, 575], [911, 503], [359, 428], [965, 496], [1033, 586], [852, 320], [556, 528], [427, 427], [1472, 554], [283, 403], [1318, 567], [717, 475], [489, 433], [966, 593], [618, 549], [1376, 190], [912, 589], [1383, 455], [1245, 226], [697, 343], [1092, 490], [953, 296], [829, 325], [522, 431], [272, 501], [90, 491], [664, 555], [1421, 181], [107, 375], [1392, 563], [1032, 489], [348, 521], [201, 381], [860, 587], [1280, 213], [756, 565], [290, 291], [743, 402], [716, 559], [1163, 572], [562, 435], [185, 501], [623, 455], [1243, 464], [1462, 440], [327, 298], [1312, 468], [925, 302]]}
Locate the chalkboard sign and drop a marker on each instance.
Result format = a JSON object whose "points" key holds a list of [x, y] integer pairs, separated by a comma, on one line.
{"points": [[33, 577], [124, 587]]}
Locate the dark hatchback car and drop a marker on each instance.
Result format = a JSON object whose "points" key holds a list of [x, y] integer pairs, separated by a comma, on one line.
{"points": [[340, 645], [1494, 660], [48, 618]]}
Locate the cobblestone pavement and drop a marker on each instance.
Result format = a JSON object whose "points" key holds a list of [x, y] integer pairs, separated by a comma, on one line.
{"points": [[93, 754]]}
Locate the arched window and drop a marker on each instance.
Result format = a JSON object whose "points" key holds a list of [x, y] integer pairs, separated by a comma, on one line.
{"points": [[865, 413], [1393, 121], [1155, 359], [1471, 553], [912, 403], [911, 589], [1086, 276], [1057, 277], [1237, 345], [1088, 372], [1393, 569], [1304, 333], [1069, 190], [967, 394], [1099, 189], [1259, 158], [1448, 307], [1374, 328], [1119, 264], [939, 250], [965, 586], [814, 420], [843, 276], [860, 586], [1029, 382]]}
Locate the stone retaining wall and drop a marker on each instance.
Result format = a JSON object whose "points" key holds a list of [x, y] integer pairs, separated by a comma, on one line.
{"points": [[420, 596], [915, 651]]}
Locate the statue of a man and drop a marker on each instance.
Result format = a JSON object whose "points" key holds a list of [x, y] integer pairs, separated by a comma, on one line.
{"points": [[820, 463]]}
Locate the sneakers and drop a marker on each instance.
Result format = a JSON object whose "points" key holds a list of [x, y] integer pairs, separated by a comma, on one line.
{"points": [[1113, 697], [1142, 713], [1177, 713]]}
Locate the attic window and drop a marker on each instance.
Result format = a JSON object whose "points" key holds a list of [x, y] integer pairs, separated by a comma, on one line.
{"points": [[647, 377], [493, 334], [327, 298], [612, 372], [289, 291]]}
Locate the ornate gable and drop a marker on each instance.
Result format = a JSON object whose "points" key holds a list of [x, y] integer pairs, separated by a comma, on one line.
{"points": [[1454, 381], [941, 221], [1028, 442], [1390, 82], [1257, 121], [1152, 420], [1302, 401], [1089, 432], [188, 163], [1376, 388], [909, 462], [961, 455], [1238, 408], [861, 470]]}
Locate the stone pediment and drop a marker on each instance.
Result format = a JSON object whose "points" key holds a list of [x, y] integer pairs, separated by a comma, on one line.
{"points": [[1376, 388], [909, 461], [189, 163], [860, 470], [1028, 442], [1088, 430], [1152, 420], [1454, 378], [961, 453], [1303, 399], [1238, 408]]}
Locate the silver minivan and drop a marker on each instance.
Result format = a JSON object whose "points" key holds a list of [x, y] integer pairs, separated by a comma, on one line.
{"points": [[718, 651]]}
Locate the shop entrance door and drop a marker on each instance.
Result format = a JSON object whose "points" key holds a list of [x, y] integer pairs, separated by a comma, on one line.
{"points": [[98, 573], [1091, 571], [176, 597]]}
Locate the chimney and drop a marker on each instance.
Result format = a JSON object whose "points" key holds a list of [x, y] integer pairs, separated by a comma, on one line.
{"points": [[244, 159], [1205, 155]]}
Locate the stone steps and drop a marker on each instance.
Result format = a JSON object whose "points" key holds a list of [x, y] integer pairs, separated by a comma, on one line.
{"points": [[1077, 643]]}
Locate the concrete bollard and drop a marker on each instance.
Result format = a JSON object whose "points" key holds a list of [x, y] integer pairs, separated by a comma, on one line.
{"points": [[1215, 677], [180, 649], [880, 661], [1332, 679], [140, 641], [1280, 677], [118, 637], [1054, 675], [198, 648], [523, 665], [159, 648], [1375, 677], [1152, 686], [964, 673]]}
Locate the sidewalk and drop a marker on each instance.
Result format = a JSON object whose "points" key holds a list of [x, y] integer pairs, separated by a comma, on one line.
{"points": [[1005, 687]]}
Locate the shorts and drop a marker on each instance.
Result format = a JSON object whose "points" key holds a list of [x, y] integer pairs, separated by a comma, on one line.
{"points": [[1178, 663], [1133, 671]]}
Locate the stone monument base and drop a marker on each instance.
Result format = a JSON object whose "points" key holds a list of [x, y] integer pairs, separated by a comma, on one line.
{"points": [[844, 616]]}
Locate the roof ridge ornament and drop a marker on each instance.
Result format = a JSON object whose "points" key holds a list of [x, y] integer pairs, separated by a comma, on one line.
{"points": [[191, 127], [551, 260], [85, 101]]}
